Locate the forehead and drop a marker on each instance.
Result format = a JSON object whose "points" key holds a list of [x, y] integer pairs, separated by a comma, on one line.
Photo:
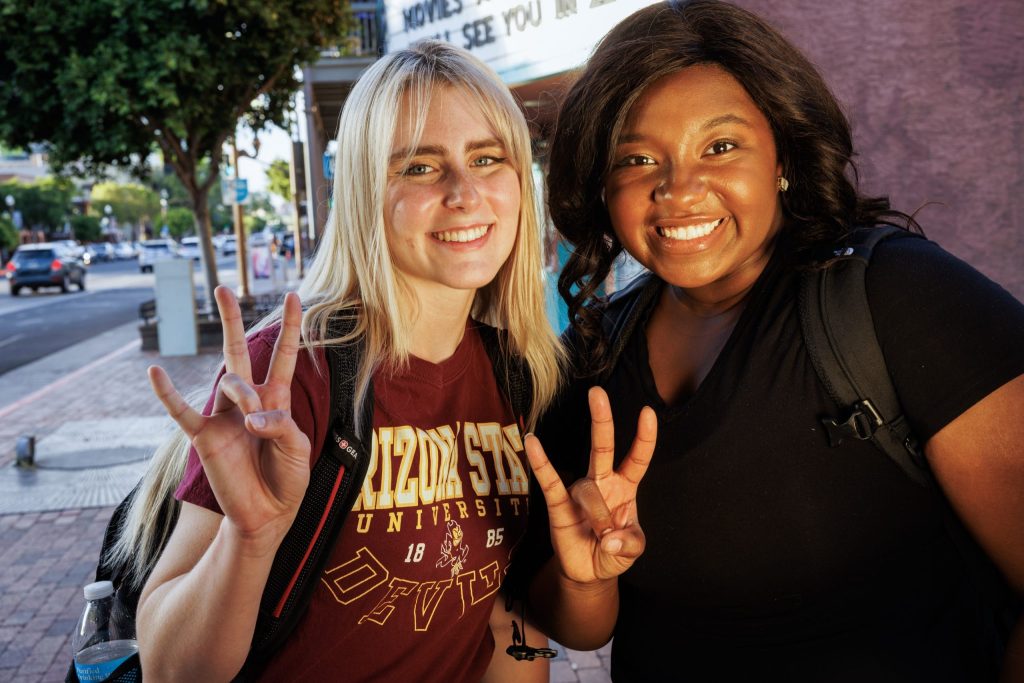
{"points": [[694, 95], [450, 116]]}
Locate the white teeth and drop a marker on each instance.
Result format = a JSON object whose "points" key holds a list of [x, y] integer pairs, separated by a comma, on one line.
{"points": [[462, 235], [691, 232]]}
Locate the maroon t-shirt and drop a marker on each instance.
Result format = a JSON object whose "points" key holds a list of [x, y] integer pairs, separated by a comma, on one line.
{"points": [[408, 589]]}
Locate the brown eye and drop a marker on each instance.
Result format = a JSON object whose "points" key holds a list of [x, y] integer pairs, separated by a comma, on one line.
{"points": [[721, 147]]}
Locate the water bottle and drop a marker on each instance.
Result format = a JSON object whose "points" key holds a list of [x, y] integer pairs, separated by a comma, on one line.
{"points": [[105, 636]]}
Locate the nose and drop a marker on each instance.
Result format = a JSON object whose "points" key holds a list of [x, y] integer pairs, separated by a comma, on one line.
{"points": [[460, 190], [680, 185]]}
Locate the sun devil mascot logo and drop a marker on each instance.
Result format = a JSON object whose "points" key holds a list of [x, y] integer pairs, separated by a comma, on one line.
{"points": [[453, 551]]}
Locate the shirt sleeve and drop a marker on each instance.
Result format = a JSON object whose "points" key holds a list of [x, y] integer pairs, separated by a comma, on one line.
{"points": [[950, 335], [310, 409]]}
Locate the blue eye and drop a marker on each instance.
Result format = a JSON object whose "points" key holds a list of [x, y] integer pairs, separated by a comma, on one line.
{"points": [[417, 169], [488, 161]]}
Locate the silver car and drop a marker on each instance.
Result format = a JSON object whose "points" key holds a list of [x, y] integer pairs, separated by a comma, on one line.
{"points": [[151, 251]]}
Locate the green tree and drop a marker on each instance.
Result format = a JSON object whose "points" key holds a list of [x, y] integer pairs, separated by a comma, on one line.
{"points": [[44, 204], [8, 238], [85, 228], [104, 82], [279, 180], [129, 203], [180, 222]]}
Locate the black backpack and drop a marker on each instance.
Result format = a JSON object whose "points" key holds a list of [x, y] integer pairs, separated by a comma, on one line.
{"points": [[839, 333], [333, 486]]}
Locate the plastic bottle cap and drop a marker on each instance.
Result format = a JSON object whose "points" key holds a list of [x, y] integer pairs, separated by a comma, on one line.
{"points": [[98, 590]]}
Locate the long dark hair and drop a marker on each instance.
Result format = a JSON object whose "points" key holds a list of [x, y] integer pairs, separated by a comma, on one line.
{"points": [[812, 136]]}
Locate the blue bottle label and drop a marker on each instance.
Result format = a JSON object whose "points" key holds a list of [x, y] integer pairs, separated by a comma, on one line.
{"points": [[94, 673]]}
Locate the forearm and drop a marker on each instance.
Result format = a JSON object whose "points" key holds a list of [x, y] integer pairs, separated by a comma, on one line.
{"points": [[1013, 663], [579, 616], [199, 625]]}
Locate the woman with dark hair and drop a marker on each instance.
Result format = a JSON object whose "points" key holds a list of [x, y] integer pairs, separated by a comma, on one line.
{"points": [[709, 148]]}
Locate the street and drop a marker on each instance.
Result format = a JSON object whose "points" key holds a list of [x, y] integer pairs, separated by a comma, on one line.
{"points": [[36, 324]]}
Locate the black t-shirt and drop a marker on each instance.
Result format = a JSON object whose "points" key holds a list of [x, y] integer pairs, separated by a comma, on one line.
{"points": [[770, 554]]}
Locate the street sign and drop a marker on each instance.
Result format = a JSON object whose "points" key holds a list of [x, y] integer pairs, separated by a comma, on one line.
{"points": [[235, 191]]}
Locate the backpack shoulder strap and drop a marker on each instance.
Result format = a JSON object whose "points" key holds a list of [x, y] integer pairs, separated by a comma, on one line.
{"points": [[333, 484], [624, 310], [510, 370], [839, 333]]}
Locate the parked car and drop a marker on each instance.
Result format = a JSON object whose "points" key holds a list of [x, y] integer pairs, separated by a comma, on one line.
{"points": [[100, 251], [124, 251], [190, 248], [229, 245], [73, 246], [44, 265], [151, 251]]}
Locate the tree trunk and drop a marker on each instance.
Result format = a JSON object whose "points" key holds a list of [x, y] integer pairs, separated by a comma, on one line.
{"points": [[201, 204]]}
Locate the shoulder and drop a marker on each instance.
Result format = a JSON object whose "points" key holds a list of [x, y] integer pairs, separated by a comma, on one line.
{"points": [[919, 270], [949, 334]]}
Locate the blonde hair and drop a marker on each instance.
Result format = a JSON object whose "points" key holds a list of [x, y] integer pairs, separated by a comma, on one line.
{"points": [[351, 274]]}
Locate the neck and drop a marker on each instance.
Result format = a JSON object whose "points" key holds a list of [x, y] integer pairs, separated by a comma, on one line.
{"points": [[440, 324]]}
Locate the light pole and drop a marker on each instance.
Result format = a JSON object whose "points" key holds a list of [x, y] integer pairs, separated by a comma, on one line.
{"points": [[108, 226], [163, 211]]}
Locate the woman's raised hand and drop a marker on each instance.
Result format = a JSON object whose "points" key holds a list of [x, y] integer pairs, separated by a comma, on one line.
{"points": [[594, 527], [255, 456]]}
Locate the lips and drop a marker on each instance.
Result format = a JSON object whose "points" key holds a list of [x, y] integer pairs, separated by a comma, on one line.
{"points": [[461, 235], [687, 232]]}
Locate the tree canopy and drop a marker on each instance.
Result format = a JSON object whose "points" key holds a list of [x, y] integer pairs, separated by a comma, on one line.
{"points": [[43, 204], [103, 82], [129, 202], [279, 179]]}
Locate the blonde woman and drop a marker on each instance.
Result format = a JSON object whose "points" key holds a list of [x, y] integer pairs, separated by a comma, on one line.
{"points": [[433, 237]]}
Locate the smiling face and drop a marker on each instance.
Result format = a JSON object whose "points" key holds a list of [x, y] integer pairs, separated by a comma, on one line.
{"points": [[451, 209], [692, 191]]}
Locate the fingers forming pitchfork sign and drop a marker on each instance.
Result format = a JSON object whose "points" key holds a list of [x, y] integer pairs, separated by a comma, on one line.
{"points": [[594, 526], [255, 457]]}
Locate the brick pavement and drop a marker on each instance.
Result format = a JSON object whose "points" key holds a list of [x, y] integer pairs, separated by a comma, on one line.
{"points": [[46, 558]]}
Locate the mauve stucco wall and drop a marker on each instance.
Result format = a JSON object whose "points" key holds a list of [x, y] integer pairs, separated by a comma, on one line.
{"points": [[935, 92]]}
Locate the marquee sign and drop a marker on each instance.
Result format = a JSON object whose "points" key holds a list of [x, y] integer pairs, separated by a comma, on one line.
{"points": [[522, 40]]}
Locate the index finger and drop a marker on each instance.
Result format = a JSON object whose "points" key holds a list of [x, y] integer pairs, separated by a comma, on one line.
{"points": [[286, 348], [602, 435], [560, 509], [236, 350]]}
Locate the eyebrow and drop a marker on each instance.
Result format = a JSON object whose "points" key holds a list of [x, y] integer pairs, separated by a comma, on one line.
{"points": [[441, 150], [627, 138]]}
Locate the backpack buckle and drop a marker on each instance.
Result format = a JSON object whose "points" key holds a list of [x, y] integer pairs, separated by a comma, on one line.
{"points": [[860, 424]]}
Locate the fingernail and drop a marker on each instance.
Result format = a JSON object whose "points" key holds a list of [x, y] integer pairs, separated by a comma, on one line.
{"points": [[258, 421], [613, 546]]}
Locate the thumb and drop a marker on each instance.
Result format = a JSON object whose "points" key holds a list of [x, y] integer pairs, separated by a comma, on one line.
{"points": [[279, 427]]}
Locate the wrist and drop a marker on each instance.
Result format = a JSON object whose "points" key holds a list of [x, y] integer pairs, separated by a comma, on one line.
{"points": [[255, 544], [592, 587]]}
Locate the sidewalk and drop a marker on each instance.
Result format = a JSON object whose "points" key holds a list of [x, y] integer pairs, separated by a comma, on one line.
{"points": [[95, 420]]}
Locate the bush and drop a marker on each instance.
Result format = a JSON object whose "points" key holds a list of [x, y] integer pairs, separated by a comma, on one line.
{"points": [[86, 228], [180, 222], [8, 234]]}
